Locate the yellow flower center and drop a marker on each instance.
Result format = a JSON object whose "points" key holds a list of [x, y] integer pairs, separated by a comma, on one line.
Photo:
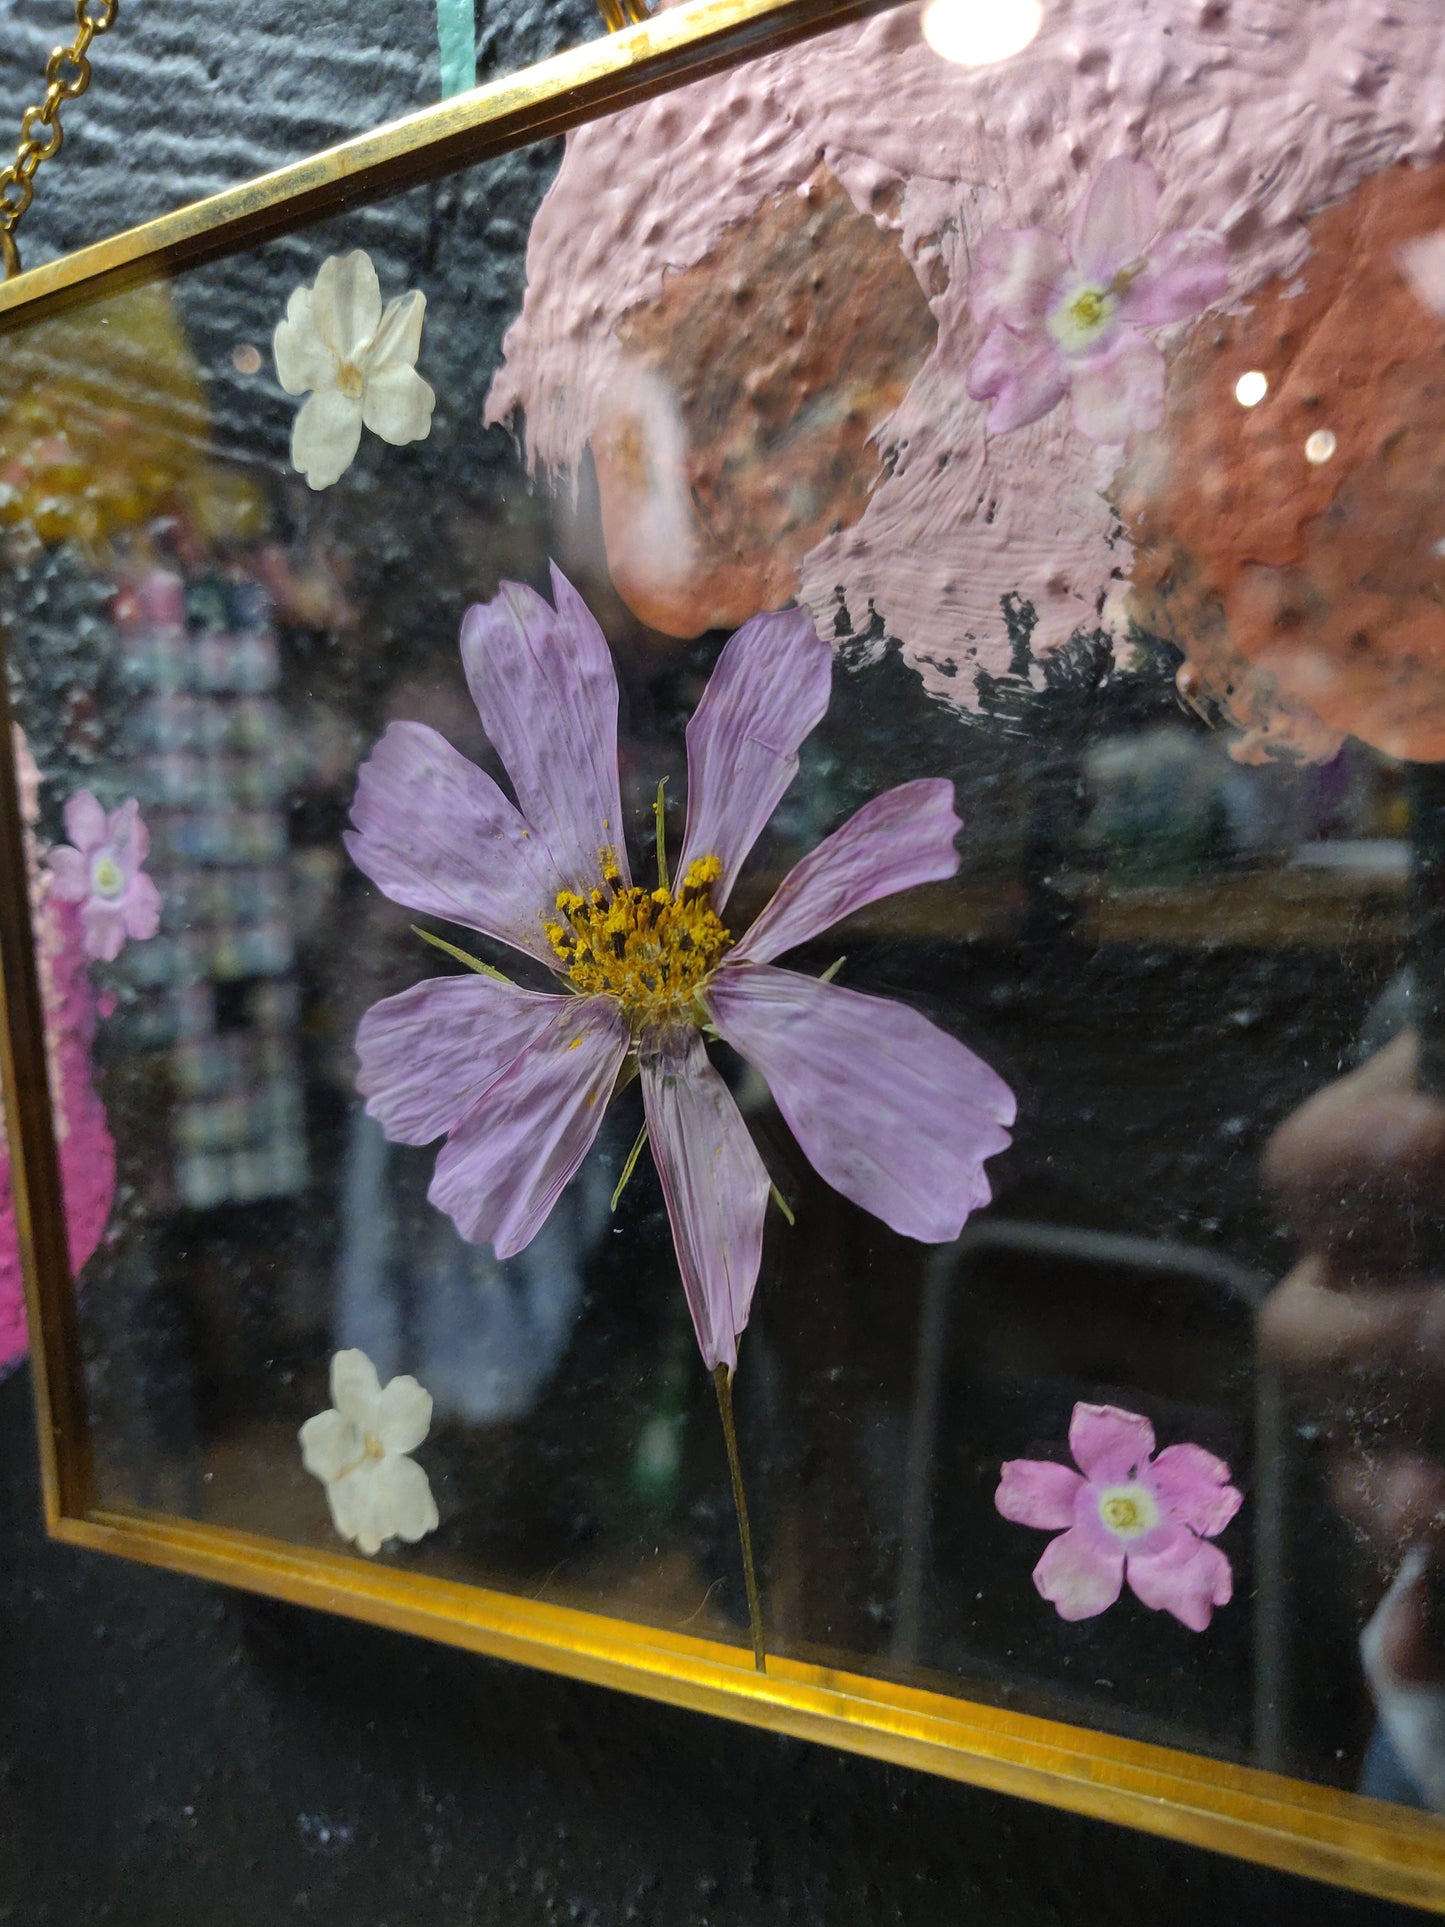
{"points": [[372, 1446], [1089, 309], [106, 877], [1128, 1510], [653, 950], [350, 380], [1081, 320]]}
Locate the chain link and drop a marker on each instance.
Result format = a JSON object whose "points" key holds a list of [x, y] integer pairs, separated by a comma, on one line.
{"points": [[67, 75]]}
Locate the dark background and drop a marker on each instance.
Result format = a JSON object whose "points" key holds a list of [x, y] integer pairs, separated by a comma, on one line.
{"points": [[176, 1756], [169, 1753]]}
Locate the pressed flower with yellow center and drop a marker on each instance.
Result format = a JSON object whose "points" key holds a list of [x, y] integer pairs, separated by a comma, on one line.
{"points": [[107, 876], [1067, 315], [896, 1114], [355, 362], [100, 869], [653, 950], [361, 1448], [1128, 1513]]}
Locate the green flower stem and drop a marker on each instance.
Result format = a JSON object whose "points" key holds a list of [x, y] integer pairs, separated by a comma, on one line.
{"points": [[722, 1383], [659, 811], [462, 956], [631, 1165]]}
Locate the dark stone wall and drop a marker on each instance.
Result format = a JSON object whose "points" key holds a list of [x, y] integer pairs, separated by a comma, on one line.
{"points": [[187, 100], [173, 1754]]}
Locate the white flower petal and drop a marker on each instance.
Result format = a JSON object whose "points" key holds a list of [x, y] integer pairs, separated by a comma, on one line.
{"points": [[404, 1502], [355, 1390], [303, 359], [403, 1415], [358, 1507], [346, 303], [329, 1444], [397, 405], [325, 437], [398, 339]]}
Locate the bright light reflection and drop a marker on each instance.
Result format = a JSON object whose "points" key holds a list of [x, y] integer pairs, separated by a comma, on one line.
{"points": [[976, 33], [1251, 389], [1320, 446]]}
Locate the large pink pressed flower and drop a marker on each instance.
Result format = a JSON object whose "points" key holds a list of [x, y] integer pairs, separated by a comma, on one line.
{"points": [[895, 1114], [1126, 1513], [1064, 319], [102, 873]]}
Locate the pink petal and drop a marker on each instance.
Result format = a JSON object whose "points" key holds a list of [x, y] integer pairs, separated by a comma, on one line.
{"points": [[1036, 1492], [1077, 1577], [1115, 221], [1109, 1444], [1117, 393], [429, 1054], [1193, 1486], [1015, 273], [434, 833], [901, 838], [128, 837], [69, 874], [141, 908], [505, 1165], [894, 1113], [768, 692], [1186, 272], [103, 927], [1189, 1580], [84, 822], [1024, 376], [715, 1185], [546, 690]]}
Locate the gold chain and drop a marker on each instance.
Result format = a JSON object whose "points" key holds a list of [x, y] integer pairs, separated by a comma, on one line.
{"points": [[67, 75]]}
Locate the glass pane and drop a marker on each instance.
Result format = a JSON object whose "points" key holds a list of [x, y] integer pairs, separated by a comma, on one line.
{"points": [[1055, 435]]}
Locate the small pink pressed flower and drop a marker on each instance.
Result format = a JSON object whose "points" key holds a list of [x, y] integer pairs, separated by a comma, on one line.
{"points": [[102, 873], [1126, 1513], [1064, 318], [894, 1113]]}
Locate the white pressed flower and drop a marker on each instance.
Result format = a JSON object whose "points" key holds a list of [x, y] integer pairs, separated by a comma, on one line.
{"points": [[359, 1450], [357, 362]]}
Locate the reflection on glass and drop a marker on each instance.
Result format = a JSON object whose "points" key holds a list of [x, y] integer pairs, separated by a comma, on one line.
{"points": [[976, 35]]}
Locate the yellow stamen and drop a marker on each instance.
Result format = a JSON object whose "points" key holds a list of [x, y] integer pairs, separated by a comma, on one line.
{"points": [[1089, 307], [651, 949], [1128, 1510]]}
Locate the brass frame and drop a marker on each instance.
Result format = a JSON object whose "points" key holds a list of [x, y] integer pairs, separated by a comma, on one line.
{"points": [[1259, 1816]]}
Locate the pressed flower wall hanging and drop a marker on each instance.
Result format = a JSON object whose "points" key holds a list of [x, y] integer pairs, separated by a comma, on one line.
{"points": [[438, 959], [890, 1110]]}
